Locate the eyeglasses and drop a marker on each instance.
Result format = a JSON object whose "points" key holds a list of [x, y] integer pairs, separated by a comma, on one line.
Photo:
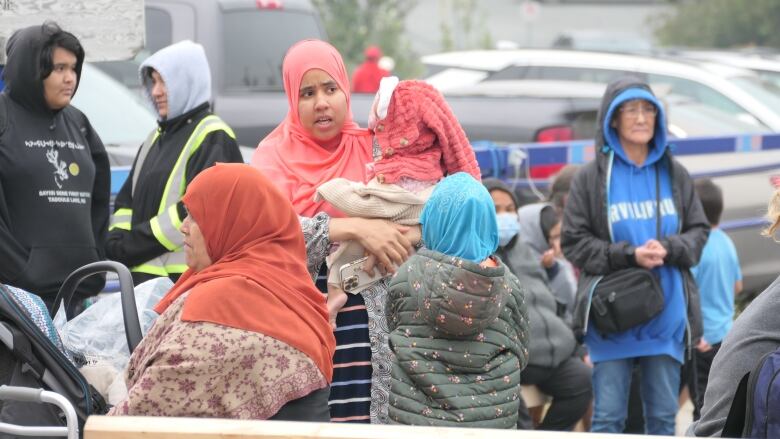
{"points": [[632, 111]]}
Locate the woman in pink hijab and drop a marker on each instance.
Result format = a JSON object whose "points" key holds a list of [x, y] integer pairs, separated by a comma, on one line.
{"points": [[317, 142]]}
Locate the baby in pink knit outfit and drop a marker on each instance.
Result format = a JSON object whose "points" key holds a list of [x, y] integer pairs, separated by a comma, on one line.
{"points": [[417, 141]]}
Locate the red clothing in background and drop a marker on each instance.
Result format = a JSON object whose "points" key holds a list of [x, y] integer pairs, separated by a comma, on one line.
{"points": [[367, 76]]}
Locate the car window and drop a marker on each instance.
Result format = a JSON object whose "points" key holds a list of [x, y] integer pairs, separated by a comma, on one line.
{"points": [[604, 76], [255, 42], [159, 31], [697, 92], [766, 92], [512, 72]]}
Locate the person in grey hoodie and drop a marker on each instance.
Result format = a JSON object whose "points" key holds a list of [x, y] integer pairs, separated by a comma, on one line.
{"points": [[553, 362], [541, 230], [144, 232], [755, 333]]}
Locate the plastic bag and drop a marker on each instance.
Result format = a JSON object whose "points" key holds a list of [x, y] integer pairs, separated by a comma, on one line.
{"points": [[98, 333]]}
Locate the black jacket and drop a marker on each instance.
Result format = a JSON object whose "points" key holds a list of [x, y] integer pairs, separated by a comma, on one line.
{"points": [[585, 234], [139, 244], [54, 180]]}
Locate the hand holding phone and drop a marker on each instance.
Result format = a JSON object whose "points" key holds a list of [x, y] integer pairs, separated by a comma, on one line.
{"points": [[354, 279]]}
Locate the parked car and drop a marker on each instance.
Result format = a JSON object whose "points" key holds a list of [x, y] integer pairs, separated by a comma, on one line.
{"points": [[603, 41], [526, 111], [745, 198], [578, 103], [245, 42], [116, 113], [470, 67], [766, 66]]}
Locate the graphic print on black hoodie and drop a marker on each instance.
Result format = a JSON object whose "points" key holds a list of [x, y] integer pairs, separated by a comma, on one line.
{"points": [[54, 179]]}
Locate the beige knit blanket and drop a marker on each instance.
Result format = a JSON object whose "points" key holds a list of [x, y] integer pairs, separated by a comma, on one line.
{"points": [[374, 200]]}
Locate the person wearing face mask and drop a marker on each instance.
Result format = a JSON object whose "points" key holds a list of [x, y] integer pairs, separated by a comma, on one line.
{"points": [[554, 365]]}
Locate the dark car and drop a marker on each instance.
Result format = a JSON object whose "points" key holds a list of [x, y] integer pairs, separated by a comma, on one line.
{"points": [[516, 112], [245, 42]]}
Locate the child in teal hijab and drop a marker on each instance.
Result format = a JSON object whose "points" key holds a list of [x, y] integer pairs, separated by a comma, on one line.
{"points": [[457, 318], [460, 219]]}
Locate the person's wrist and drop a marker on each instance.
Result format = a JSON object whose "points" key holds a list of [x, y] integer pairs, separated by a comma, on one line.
{"points": [[630, 253], [350, 228], [665, 245]]}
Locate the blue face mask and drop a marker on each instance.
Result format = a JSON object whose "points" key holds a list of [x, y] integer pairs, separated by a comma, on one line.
{"points": [[508, 227]]}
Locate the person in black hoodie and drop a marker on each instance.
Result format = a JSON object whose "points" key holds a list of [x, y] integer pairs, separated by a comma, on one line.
{"points": [[148, 210], [54, 171]]}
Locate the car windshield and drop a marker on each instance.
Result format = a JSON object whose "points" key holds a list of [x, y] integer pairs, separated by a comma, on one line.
{"points": [[255, 42], [114, 111], [764, 91]]}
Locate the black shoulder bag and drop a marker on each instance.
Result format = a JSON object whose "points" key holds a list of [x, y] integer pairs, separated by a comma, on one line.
{"points": [[630, 297]]}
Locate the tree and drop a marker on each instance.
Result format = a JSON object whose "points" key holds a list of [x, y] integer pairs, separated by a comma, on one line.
{"points": [[469, 21], [722, 23], [352, 25]]}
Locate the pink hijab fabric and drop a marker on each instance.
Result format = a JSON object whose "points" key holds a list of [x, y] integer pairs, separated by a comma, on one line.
{"points": [[290, 157]]}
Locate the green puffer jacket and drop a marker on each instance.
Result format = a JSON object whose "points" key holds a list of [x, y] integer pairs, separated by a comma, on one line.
{"points": [[460, 334]]}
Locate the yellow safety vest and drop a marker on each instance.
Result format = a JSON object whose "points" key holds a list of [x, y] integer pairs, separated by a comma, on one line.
{"points": [[166, 225]]}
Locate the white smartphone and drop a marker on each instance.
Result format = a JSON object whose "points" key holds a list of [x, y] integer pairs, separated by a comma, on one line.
{"points": [[354, 279]]}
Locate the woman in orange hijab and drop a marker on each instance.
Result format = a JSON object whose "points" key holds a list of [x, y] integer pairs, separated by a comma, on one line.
{"points": [[244, 333], [317, 142]]}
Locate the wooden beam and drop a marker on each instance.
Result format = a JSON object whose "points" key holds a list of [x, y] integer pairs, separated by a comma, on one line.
{"points": [[127, 427]]}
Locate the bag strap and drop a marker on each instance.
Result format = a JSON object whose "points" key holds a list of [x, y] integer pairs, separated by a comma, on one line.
{"points": [[735, 421], [657, 202]]}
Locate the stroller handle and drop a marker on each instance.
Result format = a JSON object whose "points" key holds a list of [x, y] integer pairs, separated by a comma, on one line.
{"points": [[129, 310], [26, 394]]}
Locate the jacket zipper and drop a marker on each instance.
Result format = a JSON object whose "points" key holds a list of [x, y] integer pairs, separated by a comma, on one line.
{"points": [[610, 163], [590, 300]]}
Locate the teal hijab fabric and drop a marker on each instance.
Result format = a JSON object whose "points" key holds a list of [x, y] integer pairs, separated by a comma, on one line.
{"points": [[459, 219]]}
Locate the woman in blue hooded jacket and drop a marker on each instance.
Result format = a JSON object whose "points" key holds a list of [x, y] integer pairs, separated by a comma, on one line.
{"points": [[610, 223]]}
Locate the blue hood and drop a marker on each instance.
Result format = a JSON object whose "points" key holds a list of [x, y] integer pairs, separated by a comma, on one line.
{"points": [[611, 139]]}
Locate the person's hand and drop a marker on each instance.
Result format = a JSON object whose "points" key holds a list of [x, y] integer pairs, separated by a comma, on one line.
{"points": [[586, 359], [337, 298], [383, 240], [703, 346], [649, 255], [548, 258], [414, 234], [654, 244]]}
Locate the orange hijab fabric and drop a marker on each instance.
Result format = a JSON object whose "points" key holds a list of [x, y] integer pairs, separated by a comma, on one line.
{"points": [[258, 279], [290, 157]]}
